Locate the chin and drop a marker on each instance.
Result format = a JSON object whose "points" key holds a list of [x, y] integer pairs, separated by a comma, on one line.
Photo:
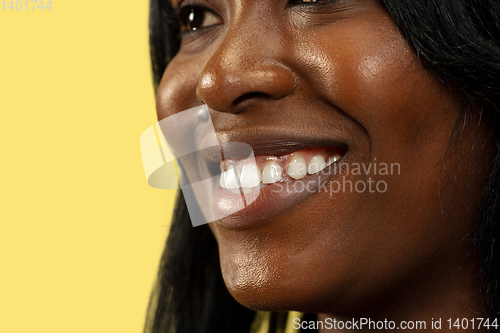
{"points": [[279, 283]]}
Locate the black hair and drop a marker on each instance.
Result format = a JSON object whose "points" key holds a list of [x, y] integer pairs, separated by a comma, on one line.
{"points": [[459, 42]]}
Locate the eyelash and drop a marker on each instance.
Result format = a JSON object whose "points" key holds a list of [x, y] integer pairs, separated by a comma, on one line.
{"points": [[306, 3]]}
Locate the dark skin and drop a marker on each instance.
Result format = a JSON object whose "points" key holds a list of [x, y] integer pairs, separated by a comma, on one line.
{"points": [[341, 69]]}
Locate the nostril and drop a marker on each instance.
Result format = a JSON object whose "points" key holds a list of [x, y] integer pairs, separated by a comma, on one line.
{"points": [[245, 97], [231, 88]]}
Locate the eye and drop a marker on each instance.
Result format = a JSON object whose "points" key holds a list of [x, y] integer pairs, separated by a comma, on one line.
{"points": [[196, 17]]}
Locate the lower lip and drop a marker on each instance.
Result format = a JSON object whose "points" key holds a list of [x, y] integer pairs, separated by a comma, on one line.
{"points": [[252, 209]]}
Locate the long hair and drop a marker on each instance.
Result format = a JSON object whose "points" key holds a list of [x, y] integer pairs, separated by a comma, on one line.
{"points": [[459, 42]]}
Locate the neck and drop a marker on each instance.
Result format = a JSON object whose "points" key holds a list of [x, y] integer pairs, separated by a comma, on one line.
{"points": [[448, 304]]}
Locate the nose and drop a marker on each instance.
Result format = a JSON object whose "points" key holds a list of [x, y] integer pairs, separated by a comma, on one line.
{"points": [[247, 68]]}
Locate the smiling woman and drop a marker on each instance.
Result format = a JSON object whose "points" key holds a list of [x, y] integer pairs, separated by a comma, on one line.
{"points": [[320, 89]]}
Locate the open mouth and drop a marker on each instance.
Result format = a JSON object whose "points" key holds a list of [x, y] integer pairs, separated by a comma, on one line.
{"points": [[244, 176], [253, 190]]}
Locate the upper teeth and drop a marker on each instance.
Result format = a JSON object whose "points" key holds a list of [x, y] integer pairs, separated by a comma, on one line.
{"points": [[272, 172], [248, 175]]}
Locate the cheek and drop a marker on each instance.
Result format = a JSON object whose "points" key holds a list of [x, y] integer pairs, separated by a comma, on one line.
{"points": [[371, 75], [177, 90]]}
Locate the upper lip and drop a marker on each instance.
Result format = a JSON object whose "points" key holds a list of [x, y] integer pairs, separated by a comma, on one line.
{"points": [[267, 142]]}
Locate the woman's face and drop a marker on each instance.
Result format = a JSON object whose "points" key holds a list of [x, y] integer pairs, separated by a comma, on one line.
{"points": [[301, 79]]}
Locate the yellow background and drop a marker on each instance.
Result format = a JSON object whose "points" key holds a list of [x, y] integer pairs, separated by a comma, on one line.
{"points": [[81, 231]]}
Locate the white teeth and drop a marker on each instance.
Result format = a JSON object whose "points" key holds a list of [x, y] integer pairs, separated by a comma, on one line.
{"points": [[316, 164], [247, 177], [250, 175], [297, 167], [272, 173], [222, 180], [231, 178]]}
